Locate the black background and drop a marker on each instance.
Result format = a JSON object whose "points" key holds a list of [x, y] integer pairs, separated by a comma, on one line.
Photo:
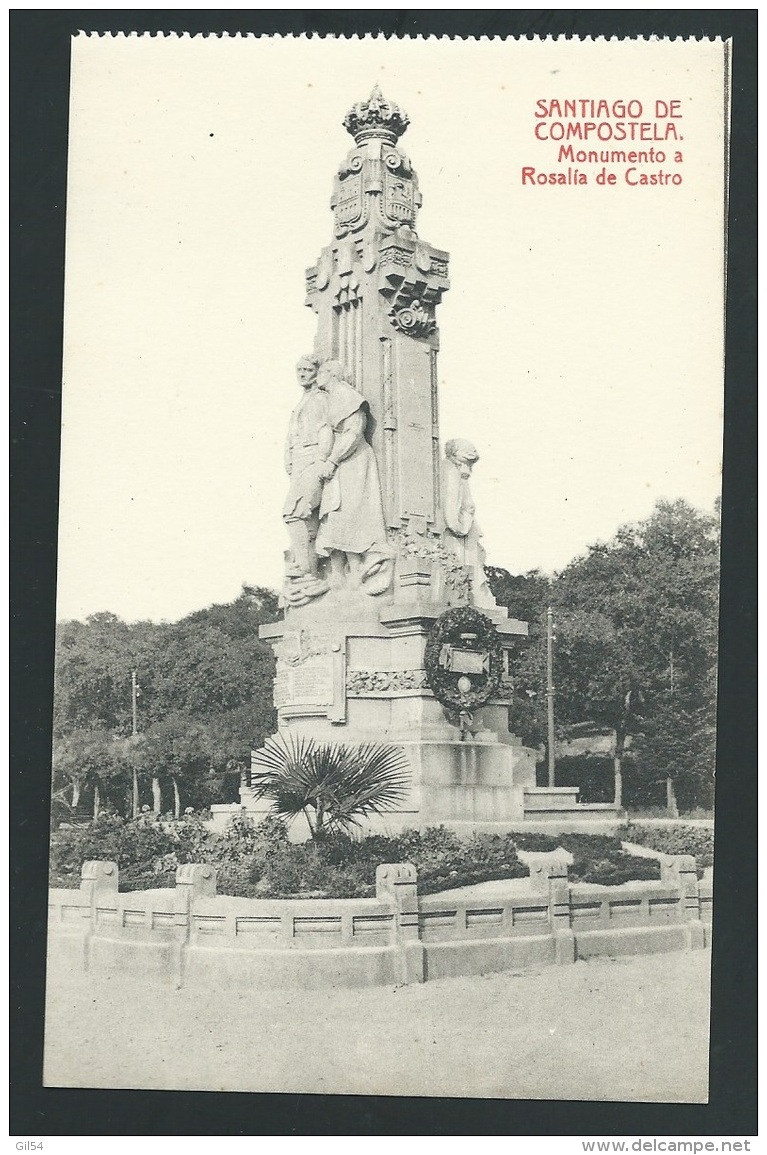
{"points": [[39, 42]]}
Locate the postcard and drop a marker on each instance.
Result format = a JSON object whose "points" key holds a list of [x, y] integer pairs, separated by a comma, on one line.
{"points": [[384, 732]]}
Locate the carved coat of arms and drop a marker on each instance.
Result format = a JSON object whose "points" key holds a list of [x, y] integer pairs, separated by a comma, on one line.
{"points": [[399, 199], [349, 205]]}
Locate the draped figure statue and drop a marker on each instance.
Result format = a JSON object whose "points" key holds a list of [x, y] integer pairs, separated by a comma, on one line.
{"points": [[462, 533], [351, 532]]}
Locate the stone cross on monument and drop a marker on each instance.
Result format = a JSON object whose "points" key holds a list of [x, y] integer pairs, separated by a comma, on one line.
{"points": [[390, 632]]}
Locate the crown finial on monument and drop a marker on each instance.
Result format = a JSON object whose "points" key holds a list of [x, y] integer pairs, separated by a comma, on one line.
{"points": [[376, 117]]}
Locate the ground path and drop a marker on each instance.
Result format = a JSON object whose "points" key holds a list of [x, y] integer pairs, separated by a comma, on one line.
{"points": [[623, 1029]]}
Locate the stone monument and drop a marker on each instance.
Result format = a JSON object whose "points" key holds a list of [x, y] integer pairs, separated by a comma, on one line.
{"points": [[390, 631]]}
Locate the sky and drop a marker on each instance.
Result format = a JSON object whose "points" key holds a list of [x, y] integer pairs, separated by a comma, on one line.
{"points": [[581, 339]]}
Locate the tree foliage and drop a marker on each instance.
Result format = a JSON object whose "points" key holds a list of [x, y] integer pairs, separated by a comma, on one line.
{"points": [[204, 700], [636, 645]]}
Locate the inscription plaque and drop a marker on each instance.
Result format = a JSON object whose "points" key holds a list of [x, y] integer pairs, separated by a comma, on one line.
{"points": [[464, 661], [307, 684]]}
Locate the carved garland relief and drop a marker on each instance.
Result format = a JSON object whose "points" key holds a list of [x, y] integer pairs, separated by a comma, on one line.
{"points": [[360, 683]]}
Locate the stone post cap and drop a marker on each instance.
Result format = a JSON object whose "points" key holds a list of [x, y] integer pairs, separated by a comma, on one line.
{"points": [[678, 864], [545, 865], [395, 878], [200, 876], [95, 872], [545, 859]]}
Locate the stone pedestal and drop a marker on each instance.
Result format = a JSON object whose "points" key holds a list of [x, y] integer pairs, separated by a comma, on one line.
{"points": [[361, 678]]}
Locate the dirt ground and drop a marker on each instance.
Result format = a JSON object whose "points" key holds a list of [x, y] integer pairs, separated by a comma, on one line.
{"points": [[609, 1029]]}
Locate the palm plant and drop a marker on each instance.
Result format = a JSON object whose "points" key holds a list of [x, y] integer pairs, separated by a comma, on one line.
{"points": [[332, 785]]}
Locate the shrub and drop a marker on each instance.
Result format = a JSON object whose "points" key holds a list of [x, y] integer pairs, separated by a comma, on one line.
{"points": [[695, 840], [237, 841], [614, 870], [579, 845], [444, 860], [341, 867], [234, 878], [257, 860], [305, 869], [147, 850], [598, 858], [160, 880], [191, 835], [283, 872]]}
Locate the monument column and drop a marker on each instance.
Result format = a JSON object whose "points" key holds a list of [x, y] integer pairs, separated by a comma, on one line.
{"points": [[375, 289], [390, 631]]}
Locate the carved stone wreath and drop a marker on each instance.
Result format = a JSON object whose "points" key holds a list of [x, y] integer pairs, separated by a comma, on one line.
{"points": [[415, 320], [450, 688]]}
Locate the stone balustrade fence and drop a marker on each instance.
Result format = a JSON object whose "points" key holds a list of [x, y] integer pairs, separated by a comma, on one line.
{"points": [[190, 934]]}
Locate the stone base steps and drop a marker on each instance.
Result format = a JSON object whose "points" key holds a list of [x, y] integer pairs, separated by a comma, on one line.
{"points": [[547, 804]]}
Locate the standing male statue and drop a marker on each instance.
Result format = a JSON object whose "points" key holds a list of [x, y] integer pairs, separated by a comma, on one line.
{"points": [[308, 443], [352, 532], [462, 533]]}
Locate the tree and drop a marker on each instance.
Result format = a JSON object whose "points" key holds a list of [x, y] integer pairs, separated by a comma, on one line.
{"points": [[636, 617], [254, 607], [331, 785], [127, 768], [636, 624], [93, 664], [597, 678], [174, 749], [231, 736], [77, 757], [84, 759], [212, 663], [677, 745], [210, 669], [526, 596]]}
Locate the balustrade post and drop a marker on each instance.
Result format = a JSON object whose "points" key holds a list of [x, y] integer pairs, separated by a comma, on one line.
{"points": [[680, 871], [97, 880], [193, 881], [559, 912], [398, 883]]}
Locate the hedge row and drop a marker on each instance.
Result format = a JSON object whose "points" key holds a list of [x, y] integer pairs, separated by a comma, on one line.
{"points": [[259, 861], [695, 840]]}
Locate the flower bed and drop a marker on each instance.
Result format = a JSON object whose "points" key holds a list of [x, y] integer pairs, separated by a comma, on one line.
{"points": [[598, 858], [258, 861]]}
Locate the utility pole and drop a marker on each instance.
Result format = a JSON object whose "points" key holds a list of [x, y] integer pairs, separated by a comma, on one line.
{"points": [[134, 712], [134, 701], [550, 690], [671, 803]]}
